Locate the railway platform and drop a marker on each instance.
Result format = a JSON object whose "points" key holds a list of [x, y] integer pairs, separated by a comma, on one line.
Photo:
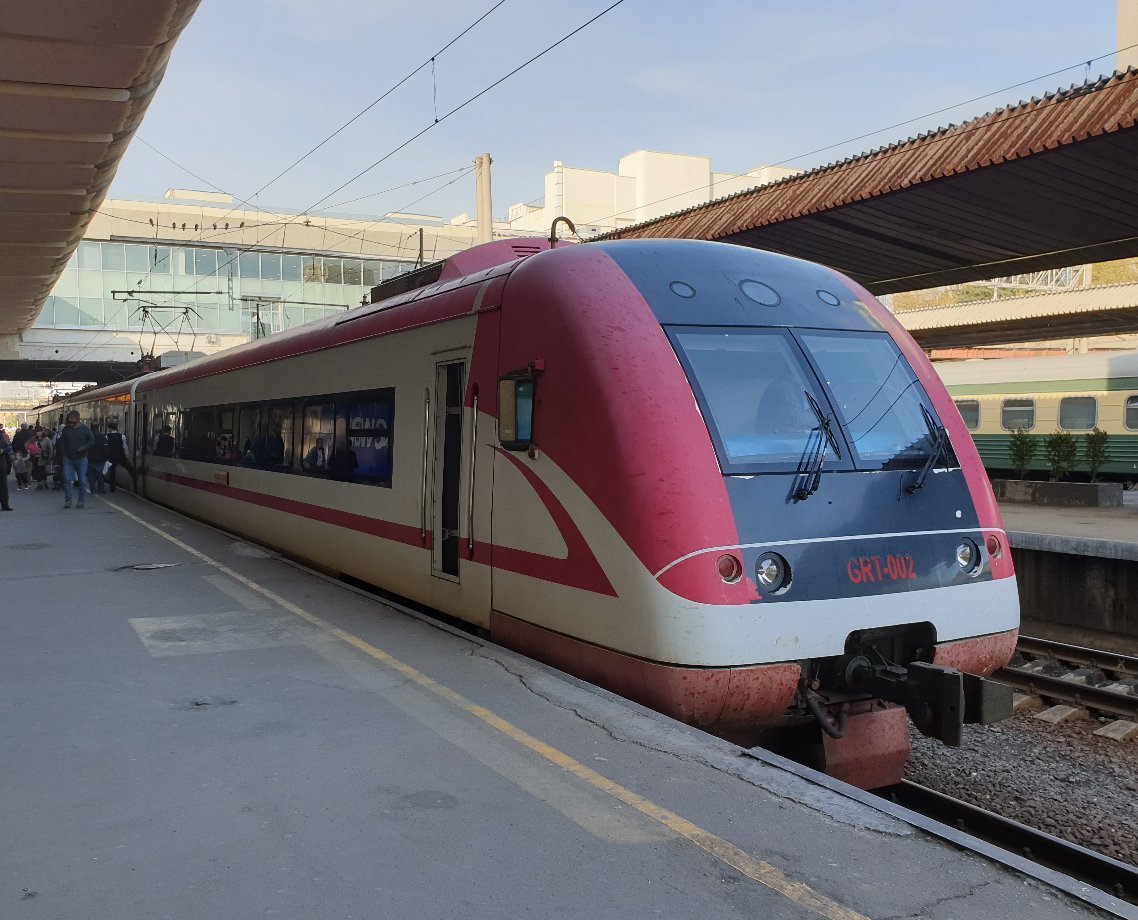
{"points": [[1110, 533], [1078, 572], [194, 727]]}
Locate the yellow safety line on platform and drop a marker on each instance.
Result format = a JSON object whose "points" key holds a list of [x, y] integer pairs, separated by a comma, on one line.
{"points": [[762, 872]]}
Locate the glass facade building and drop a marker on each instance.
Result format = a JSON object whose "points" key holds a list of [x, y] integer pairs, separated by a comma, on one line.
{"points": [[137, 287]]}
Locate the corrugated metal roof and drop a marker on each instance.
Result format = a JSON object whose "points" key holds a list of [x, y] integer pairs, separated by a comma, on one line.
{"points": [[1082, 312], [1045, 183]]}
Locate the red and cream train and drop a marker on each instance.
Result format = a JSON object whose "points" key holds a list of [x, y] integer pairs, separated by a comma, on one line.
{"points": [[721, 482]]}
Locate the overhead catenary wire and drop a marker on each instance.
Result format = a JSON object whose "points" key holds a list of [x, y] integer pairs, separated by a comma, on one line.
{"points": [[432, 125], [458, 108], [329, 137], [397, 248]]}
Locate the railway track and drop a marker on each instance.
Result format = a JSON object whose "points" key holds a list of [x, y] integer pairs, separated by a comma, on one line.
{"points": [[1111, 876], [1104, 682]]}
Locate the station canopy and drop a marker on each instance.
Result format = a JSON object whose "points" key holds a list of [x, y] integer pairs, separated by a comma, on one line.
{"points": [[76, 77], [1047, 183]]}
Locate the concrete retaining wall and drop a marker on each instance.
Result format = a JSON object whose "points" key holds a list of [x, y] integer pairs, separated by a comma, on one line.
{"points": [[1087, 592], [1059, 494]]}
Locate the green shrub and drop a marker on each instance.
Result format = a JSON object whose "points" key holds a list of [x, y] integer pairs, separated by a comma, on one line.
{"points": [[1022, 449], [1062, 452], [1095, 450]]}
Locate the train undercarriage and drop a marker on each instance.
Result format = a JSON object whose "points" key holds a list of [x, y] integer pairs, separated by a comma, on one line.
{"points": [[850, 717]]}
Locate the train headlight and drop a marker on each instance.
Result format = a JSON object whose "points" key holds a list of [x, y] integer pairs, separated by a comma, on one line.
{"points": [[772, 572], [968, 557]]}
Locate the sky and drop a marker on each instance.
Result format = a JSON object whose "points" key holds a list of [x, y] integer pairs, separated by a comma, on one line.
{"points": [[253, 85]]}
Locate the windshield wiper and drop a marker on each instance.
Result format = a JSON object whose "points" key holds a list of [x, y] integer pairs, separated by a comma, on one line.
{"points": [[938, 437], [812, 475]]}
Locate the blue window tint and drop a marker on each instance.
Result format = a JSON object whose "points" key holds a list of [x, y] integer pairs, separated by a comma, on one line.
{"points": [[524, 410], [205, 262], [271, 266], [250, 265], [754, 387], [369, 435], [877, 395]]}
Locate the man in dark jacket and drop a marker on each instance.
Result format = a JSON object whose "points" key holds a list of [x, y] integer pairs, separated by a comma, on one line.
{"points": [[116, 453], [96, 457], [6, 457], [75, 439]]}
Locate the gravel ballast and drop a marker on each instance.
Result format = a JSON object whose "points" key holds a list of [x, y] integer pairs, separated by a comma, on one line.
{"points": [[1058, 778]]}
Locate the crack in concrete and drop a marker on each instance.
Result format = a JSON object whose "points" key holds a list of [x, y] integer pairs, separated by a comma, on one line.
{"points": [[734, 762], [923, 911]]}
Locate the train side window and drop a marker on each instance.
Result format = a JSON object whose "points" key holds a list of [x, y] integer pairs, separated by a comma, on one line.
{"points": [[248, 433], [1018, 414], [318, 434], [199, 434], [969, 410], [165, 432], [367, 456], [1130, 418], [226, 445], [274, 451], [1078, 413], [515, 412]]}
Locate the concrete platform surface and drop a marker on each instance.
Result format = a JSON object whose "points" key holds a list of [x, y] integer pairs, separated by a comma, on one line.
{"points": [[1111, 533], [195, 728]]}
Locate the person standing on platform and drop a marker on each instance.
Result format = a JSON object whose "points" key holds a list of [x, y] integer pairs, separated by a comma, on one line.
{"points": [[21, 437], [96, 457], [39, 449], [74, 441], [117, 456], [5, 469]]}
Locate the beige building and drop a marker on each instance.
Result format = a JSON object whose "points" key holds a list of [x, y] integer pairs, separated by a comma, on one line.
{"points": [[645, 185]]}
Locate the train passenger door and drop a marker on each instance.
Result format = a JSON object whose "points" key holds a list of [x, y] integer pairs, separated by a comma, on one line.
{"points": [[450, 391], [138, 446]]}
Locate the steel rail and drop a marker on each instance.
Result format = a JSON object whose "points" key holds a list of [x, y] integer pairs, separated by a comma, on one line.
{"points": [[1084, 695], [1113, 662], [1109, 875]]}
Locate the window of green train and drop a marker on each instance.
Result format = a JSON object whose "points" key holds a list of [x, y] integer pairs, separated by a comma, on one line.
{"points": [[1130, 415], [319, 424], [1017, 414], [1078, 413], [969, 410]]}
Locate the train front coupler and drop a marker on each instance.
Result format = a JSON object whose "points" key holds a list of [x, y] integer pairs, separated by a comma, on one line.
{"points": [[939, 700]]}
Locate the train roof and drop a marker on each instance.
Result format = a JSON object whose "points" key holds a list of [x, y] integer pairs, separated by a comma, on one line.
{"points": [[1100, 366]]}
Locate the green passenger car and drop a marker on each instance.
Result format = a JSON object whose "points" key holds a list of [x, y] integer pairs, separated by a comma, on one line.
{"points": [[1074, 393]]}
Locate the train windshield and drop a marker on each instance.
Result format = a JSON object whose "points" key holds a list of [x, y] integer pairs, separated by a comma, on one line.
{"points": [[755, 386], [754, 390], [883, 409]]}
